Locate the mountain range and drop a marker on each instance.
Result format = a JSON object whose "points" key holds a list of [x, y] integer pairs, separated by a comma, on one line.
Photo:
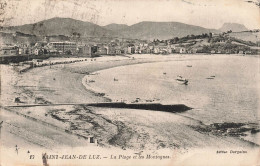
{"points": [[143, 30], [62, 26], [161, 30]]}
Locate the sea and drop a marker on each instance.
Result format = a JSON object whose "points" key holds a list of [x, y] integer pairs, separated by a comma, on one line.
{"points": [[221, 88]]}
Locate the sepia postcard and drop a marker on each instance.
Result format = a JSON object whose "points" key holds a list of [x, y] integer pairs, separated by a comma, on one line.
{"points": [[130, 82]]}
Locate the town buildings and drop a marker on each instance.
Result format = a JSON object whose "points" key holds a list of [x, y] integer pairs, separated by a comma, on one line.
{"points": [[64, 47], [219, 44], [9, 51]]}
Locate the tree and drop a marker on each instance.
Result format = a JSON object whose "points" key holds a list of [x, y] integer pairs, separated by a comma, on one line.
{"points": [[210, 35], [176, 39], [45, 51], [229, 31], [68, 52]]}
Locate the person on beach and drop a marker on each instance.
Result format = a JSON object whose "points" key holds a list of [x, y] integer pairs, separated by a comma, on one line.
{"points": [[16, 149], [1, 127]]}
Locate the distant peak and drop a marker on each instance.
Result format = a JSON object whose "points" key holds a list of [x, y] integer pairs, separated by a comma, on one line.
{"points": [[116, 24], [235, 27]]}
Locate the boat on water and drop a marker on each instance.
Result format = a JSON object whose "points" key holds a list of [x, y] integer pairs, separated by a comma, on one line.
{"points": [[115, 79], [211, 77], [182, 80]]}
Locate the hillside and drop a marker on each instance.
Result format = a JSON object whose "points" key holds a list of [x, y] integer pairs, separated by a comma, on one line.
{"points": [[162, 30], [246, 36], [62, 26], [143, 30], [234, 27], [115, 27]]}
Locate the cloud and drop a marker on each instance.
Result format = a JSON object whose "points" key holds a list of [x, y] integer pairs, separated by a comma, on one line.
{"points": [[206, 13]]}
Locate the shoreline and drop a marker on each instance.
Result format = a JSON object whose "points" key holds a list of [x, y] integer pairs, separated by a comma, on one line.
{"points": [[59, 91]]}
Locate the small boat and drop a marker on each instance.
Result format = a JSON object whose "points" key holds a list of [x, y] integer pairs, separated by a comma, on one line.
{"points": [[211, 77], [115, 79], [182, 80]]}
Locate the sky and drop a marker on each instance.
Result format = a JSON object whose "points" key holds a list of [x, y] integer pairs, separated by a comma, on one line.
{"points": [[205, 13]]}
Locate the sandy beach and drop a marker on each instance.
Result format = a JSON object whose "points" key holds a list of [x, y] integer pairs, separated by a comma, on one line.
{"points": [[113, 128]]}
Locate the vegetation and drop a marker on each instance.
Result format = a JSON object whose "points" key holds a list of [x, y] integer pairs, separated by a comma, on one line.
{"points": [[209, 43]]}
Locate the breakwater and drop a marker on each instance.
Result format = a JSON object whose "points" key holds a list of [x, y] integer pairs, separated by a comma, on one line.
{"points": [[20, 58], [153, 107]]}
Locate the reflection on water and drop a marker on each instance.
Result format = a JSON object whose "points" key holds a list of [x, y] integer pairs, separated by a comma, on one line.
{"points": [[230, 95]]}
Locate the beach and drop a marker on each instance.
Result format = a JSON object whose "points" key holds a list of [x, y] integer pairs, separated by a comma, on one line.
{"points": [[118, 79]]}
